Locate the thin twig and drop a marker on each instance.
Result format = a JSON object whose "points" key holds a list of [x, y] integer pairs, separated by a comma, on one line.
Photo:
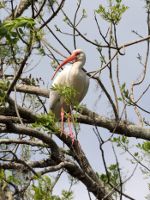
{"points": [[53, 15]]}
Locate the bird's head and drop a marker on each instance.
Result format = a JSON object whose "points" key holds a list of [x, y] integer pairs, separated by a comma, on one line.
{"points": [[77, 56]]}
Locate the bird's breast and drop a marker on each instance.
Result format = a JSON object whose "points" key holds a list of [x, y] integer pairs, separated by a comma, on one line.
{"points": [[75, 78], [79, 81]]}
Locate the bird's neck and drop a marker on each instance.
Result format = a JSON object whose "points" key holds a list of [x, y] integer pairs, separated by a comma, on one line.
{"points": [[78, 65]]}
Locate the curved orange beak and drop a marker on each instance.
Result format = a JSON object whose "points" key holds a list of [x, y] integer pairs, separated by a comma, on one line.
{"points": [[72, 57]]}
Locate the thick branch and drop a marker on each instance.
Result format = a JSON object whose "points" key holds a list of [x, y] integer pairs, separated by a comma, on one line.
{"points": [[120, 127], [23, 5], [31, 164], [97, 189], [11, 128], [6, 119], [32, 90], [91, 118], [31, 143]]}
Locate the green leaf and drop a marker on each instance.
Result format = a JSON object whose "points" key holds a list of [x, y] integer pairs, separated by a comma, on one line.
{"points": [[84, 13], [42, 190], [47, 121], [3, 88], [112, 175], [125, 140], [14, 180], [120, 99], [146, 146], [20, 31], [123, 87], [112, 167], [2, 174], [9, 27], [114, 13], [68, 93], [136, 154], [67, 195]]}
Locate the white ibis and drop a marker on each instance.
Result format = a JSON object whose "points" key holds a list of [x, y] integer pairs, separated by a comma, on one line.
{"points": [[72, 76]]}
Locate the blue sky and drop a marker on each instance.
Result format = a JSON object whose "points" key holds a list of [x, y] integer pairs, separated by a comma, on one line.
{"points": [[133, 19]]}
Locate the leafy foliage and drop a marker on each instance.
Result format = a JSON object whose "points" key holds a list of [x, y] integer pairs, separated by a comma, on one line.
{"points": [[114, 13], [30, 80], [121, 141], [125, 95], [2, 174], [3, 88], [124, 91], [46, 121], [11, 28], [145, 146], [6, 177], [68, 93], [5, 52], [67, 195], [20, 35], [2, 4], [112, 175], [43, 190], [14, 180]]}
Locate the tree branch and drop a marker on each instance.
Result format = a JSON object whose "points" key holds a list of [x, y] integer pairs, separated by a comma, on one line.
{"points": [[23, 5], [88, 117], [11, 128], [122, 127], [31, 143], [32, 90], [97, 189], [53, 15]]}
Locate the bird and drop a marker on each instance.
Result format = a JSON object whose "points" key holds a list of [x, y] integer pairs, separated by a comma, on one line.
{"points": [[72, 76]]}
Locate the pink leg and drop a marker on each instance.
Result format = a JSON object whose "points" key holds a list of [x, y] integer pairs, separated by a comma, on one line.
{"points": [[62, 120], [70, 128]]}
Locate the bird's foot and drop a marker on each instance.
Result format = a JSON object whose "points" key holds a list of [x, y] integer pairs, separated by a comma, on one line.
{"points": [[71, 134], [72, 137]]}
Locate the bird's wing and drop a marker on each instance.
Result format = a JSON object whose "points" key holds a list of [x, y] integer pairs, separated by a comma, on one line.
{"points": [[54, 99], [59, 80], [85, 88]]}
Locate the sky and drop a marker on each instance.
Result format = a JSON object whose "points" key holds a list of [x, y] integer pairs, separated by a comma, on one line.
{"points": [[133, 19]]}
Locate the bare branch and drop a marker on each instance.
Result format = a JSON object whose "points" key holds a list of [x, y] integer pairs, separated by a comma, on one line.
{"points": [[21, 141], [23, 5], [11, 87], [53, 15], [37, 134], [32, 90], [123, 127]]}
